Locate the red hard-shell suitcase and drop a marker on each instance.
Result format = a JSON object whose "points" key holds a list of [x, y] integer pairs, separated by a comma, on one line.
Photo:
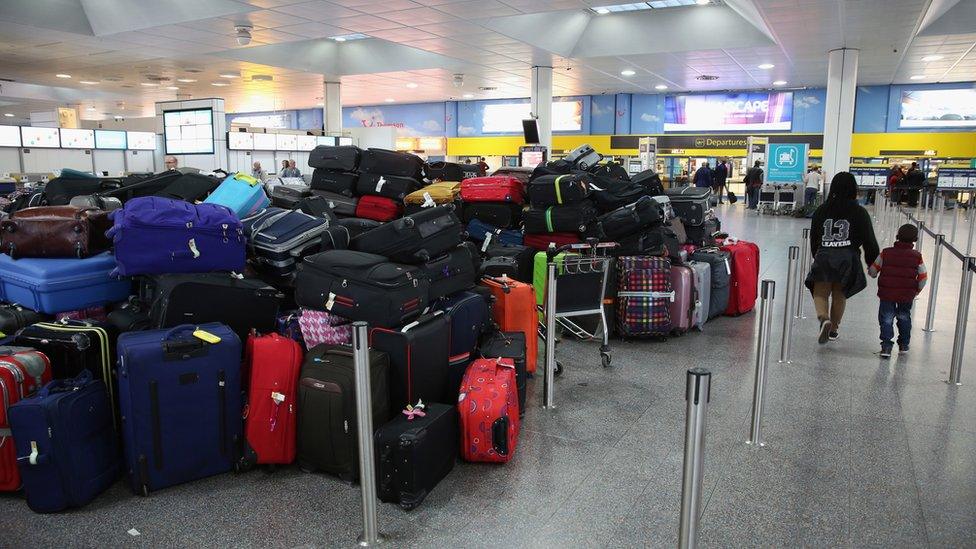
{"points": [[497, 188], [744, 282], [683, 284], [514, 311], [489, 409], [22, 372], [541, 241], [378, 208], [271, 421]]}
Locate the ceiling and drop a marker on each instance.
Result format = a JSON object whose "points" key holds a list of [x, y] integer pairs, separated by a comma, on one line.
{"points": [[136, 50]]}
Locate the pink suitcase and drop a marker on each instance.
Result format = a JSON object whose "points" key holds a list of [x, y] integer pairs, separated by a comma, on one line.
{"points": [[683, 306], [321, 327]]}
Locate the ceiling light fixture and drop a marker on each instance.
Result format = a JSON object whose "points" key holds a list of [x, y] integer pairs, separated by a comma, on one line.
{"points": [[703, 2], [779, 82], [661, 87], [653, 5], [348, 37], [627, 72], [243, 34], [229, 75], [602, 11], [62, 75], [8, 114], [766, 66], [88, 82], [468, 95], [412, 85], [172, 87], [92, 108], [389, 100], [917, 77], [930, 58], [219, 84], [186, 80], [148, 84]]}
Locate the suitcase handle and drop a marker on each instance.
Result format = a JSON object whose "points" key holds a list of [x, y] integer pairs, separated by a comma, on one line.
{"points": [[499, 435], [179, 329], [63, 385]]}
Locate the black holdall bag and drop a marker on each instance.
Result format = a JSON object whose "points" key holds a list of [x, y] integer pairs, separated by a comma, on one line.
{"points": [[361, 286], [651, 181], [553, 167], [189, 187], [611, 170], [453, 271], [14, 317], [577, 218], [288, 197], [343, 158], [316, 206], [327, 412], [415, 238], [419, 355], [630, 218], [558, 190], [690, 203], [340, 204], [503, 215], [610, 194], [357, 225], [384, 162], [334, 182], [443, 171], [389, 186], [659, 240], [702, 235], [60, 190]]}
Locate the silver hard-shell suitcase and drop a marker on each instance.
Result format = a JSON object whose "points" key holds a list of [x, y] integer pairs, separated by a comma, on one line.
{"points": [[583, 157], [702, 274]]}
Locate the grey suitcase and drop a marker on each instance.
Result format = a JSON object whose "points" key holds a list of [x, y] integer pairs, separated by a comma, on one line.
{"points": [[702, 275], [721, 272], [583, 157]]}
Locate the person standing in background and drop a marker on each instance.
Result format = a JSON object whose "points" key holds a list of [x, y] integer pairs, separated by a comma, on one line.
{"points": [[482, 167], [290, 170], [703, 176], [754, 182], [720, 176], [813, 181], [257, 172], [171, 162]]}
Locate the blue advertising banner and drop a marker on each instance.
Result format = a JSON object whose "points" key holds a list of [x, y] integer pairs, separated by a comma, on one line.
{"points": [[786, 162]]}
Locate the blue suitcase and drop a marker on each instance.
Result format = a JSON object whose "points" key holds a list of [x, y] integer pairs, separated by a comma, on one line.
{"points": [[58, 285], [467, 313], [479, 230], [66, 444], [243, 194], [180, 399]]}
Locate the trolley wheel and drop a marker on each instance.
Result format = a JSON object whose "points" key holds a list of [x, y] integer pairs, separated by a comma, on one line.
{"points": [[559, 368], [605, 358]]}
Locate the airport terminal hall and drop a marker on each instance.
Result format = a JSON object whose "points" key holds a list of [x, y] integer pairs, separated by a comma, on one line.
{"points": [[542, 274]]}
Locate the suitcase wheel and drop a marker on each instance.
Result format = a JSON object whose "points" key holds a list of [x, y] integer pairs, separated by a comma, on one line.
{"points": [[559, 368], [144, 491], [605, 357]]}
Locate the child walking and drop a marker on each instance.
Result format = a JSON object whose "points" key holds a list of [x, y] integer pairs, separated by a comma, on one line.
{"points": [[901, 276]]}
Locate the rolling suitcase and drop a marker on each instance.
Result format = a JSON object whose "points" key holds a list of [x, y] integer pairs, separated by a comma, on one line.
{"points": [[279, 238], [340, 205], [378, 208], [488, 407], [385, 162], [453, 271], [690, 203], [190, 187], [515, 261], [361, 286], [23, 372], [49, 285], [180, 397], [435, 194], [241, 193], [702, 235], [719, 275], [288, 197], [644, 296], [498, 188], [468, 316], [390, 186], [317, 206], [443, 171], [514, 311], [419, 356], [334, 182], [559, 190], [702, 273], [72, 346], [327, 420], [415, 452], [560, 219], [415, 238], [55, 231], [271, 421], [542, 241], [357, 225], [682, 307], [629, 219], [503, 215], [583, 157], [509, 345], [343, 158], [65, 444], [318, 327], [744, 280], [481, 231]]}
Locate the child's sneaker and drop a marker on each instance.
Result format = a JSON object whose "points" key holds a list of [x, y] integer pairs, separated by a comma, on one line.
{"points": [[824, 331], [886, 351], [903, 349]]}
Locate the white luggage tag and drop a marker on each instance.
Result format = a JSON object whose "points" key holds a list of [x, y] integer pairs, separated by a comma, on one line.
{"points": [[330, 302], [33, 455], [428, 201], [484, 247], [193, 248], [277, 397], [380, 183]]}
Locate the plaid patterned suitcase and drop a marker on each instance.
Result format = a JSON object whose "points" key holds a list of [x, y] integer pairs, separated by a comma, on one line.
{"points": [[644, 296]]}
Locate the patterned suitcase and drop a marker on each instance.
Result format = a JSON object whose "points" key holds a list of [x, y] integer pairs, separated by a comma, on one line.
{"points": [[320, 327], [488, 407], [644, 296]]}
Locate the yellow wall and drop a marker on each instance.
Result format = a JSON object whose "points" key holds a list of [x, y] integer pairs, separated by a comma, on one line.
{"points": [[944, 144]]}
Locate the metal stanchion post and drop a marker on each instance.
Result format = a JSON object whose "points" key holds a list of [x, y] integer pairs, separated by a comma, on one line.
{"points": [[921, 235], [934, 282], [767, 294], [940, 211], [364, 423], [549, 376], [962, 316], [804, 257], [972, 228], [698, 386], [784, 349], [955, 220]]}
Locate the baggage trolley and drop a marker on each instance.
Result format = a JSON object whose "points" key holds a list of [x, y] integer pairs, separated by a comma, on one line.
{"points": [[767, 199], [786, 199], [579, 289]]}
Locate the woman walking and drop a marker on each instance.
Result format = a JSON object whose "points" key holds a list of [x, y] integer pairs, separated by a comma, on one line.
{"points": [[840, 229]]}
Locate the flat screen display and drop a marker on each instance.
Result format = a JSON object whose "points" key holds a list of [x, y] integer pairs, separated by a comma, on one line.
{"points": [[141, 141], [306, 142], [567, 116], [938, 108], [240, 141], [189, 131], [108, 139], [286, 142], [748, 111], [47, 138], [72, 138], [265, 142], [344, 141], [327, 140], [9, 136]]}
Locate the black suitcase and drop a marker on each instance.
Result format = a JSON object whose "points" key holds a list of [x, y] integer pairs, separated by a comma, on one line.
{"points": [[413, 455], [509, 345], [659, 240], [629, 219], [701, 235], [334, 182], [651, 181], [415, 238], [344, 158], [384, 162], [556, 190], [317, 206], [288, 197], [560, 219], [327, 421], [690, 203], [389, 186], [419, 354], [73, 346], [242, 304], [357, 225], [341, 205], [443, 171], [453, 271], [361, 286], [190, 187], [133, 316], [503, 215], [721, 272], [512, 260], [14, 317], [610, 194], [60, 190]]}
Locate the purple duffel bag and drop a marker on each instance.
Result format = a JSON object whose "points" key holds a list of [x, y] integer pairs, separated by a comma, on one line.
{"points": [[154, 235]]}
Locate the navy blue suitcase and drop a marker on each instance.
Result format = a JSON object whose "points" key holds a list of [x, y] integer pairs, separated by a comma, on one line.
{"points": [[467, 313], [478, 230], [66, 444], [180, 398]]}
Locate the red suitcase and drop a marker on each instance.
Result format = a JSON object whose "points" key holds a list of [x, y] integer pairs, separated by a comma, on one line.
{"points": [[541, 241], [514, 311], [497, 188], [378, 208], [744, 282], [22, 372], [489, 410], [270, 420]]}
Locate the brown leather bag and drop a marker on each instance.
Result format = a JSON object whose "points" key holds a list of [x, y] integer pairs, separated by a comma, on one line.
{"points": [[54, 231]]}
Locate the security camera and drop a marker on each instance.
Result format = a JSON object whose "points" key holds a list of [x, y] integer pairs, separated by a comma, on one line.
{"points": [[458, 80], [243, 34]]}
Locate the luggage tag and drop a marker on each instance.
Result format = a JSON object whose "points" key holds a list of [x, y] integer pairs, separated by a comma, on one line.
{"points": [[33, 455], [206, 336], [330, 302], [484, 246], [428, 201], [380, 183], [415, 411], [193, 248]]}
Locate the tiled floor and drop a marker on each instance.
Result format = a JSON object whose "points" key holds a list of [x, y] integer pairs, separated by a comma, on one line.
{"points": [[860, 452]]}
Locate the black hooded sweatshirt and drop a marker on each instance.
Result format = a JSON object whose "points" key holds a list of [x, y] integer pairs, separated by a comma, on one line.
{"points": [[844, 224]]}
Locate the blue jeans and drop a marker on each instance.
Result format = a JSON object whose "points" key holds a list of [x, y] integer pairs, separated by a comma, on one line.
{"points": [[752, 197], [810, 194], [891, 311]]}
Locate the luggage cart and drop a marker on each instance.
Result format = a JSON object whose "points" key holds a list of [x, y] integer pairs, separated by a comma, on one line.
{"points": [[579, 289], [786, 199], [767, 199]]}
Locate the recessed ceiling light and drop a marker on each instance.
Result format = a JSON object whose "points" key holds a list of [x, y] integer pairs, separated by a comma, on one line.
{"points": [[229, 75], [766, 66], [468, 95], [88, 81], [320, 104], [779, 82], [347, 37], [703, 2], [929, 58], [62, 75], [660, 87], [389, 100], [219, 84], [148, 84], [917, 77], [92, 108], [186, 80], [8, 114], [602, 10], [172, 87], [412, 85], [627, 72]]}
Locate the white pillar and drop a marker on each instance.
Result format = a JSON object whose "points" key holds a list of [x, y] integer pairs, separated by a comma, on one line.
{"points": [[332, 107], [839, 117], [542, 103]]}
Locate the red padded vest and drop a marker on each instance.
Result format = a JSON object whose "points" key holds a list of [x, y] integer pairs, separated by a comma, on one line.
{"points": [[898, 280]]}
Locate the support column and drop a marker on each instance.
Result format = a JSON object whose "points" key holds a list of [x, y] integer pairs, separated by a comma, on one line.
{"points": [[332, 107], [542, 103], [839, 117]]}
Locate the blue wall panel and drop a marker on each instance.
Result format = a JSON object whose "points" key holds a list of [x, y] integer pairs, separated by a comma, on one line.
{"points": [[647, 114], [809, 107], [602, 109], [871, 109], [418, 119], [622, 115]]}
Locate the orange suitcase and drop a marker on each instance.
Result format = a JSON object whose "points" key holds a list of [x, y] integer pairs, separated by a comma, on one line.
{"points": [[514, 311]]}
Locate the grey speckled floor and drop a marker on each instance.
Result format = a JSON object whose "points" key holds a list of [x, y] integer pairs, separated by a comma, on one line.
{"points": [[860, 452]]}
